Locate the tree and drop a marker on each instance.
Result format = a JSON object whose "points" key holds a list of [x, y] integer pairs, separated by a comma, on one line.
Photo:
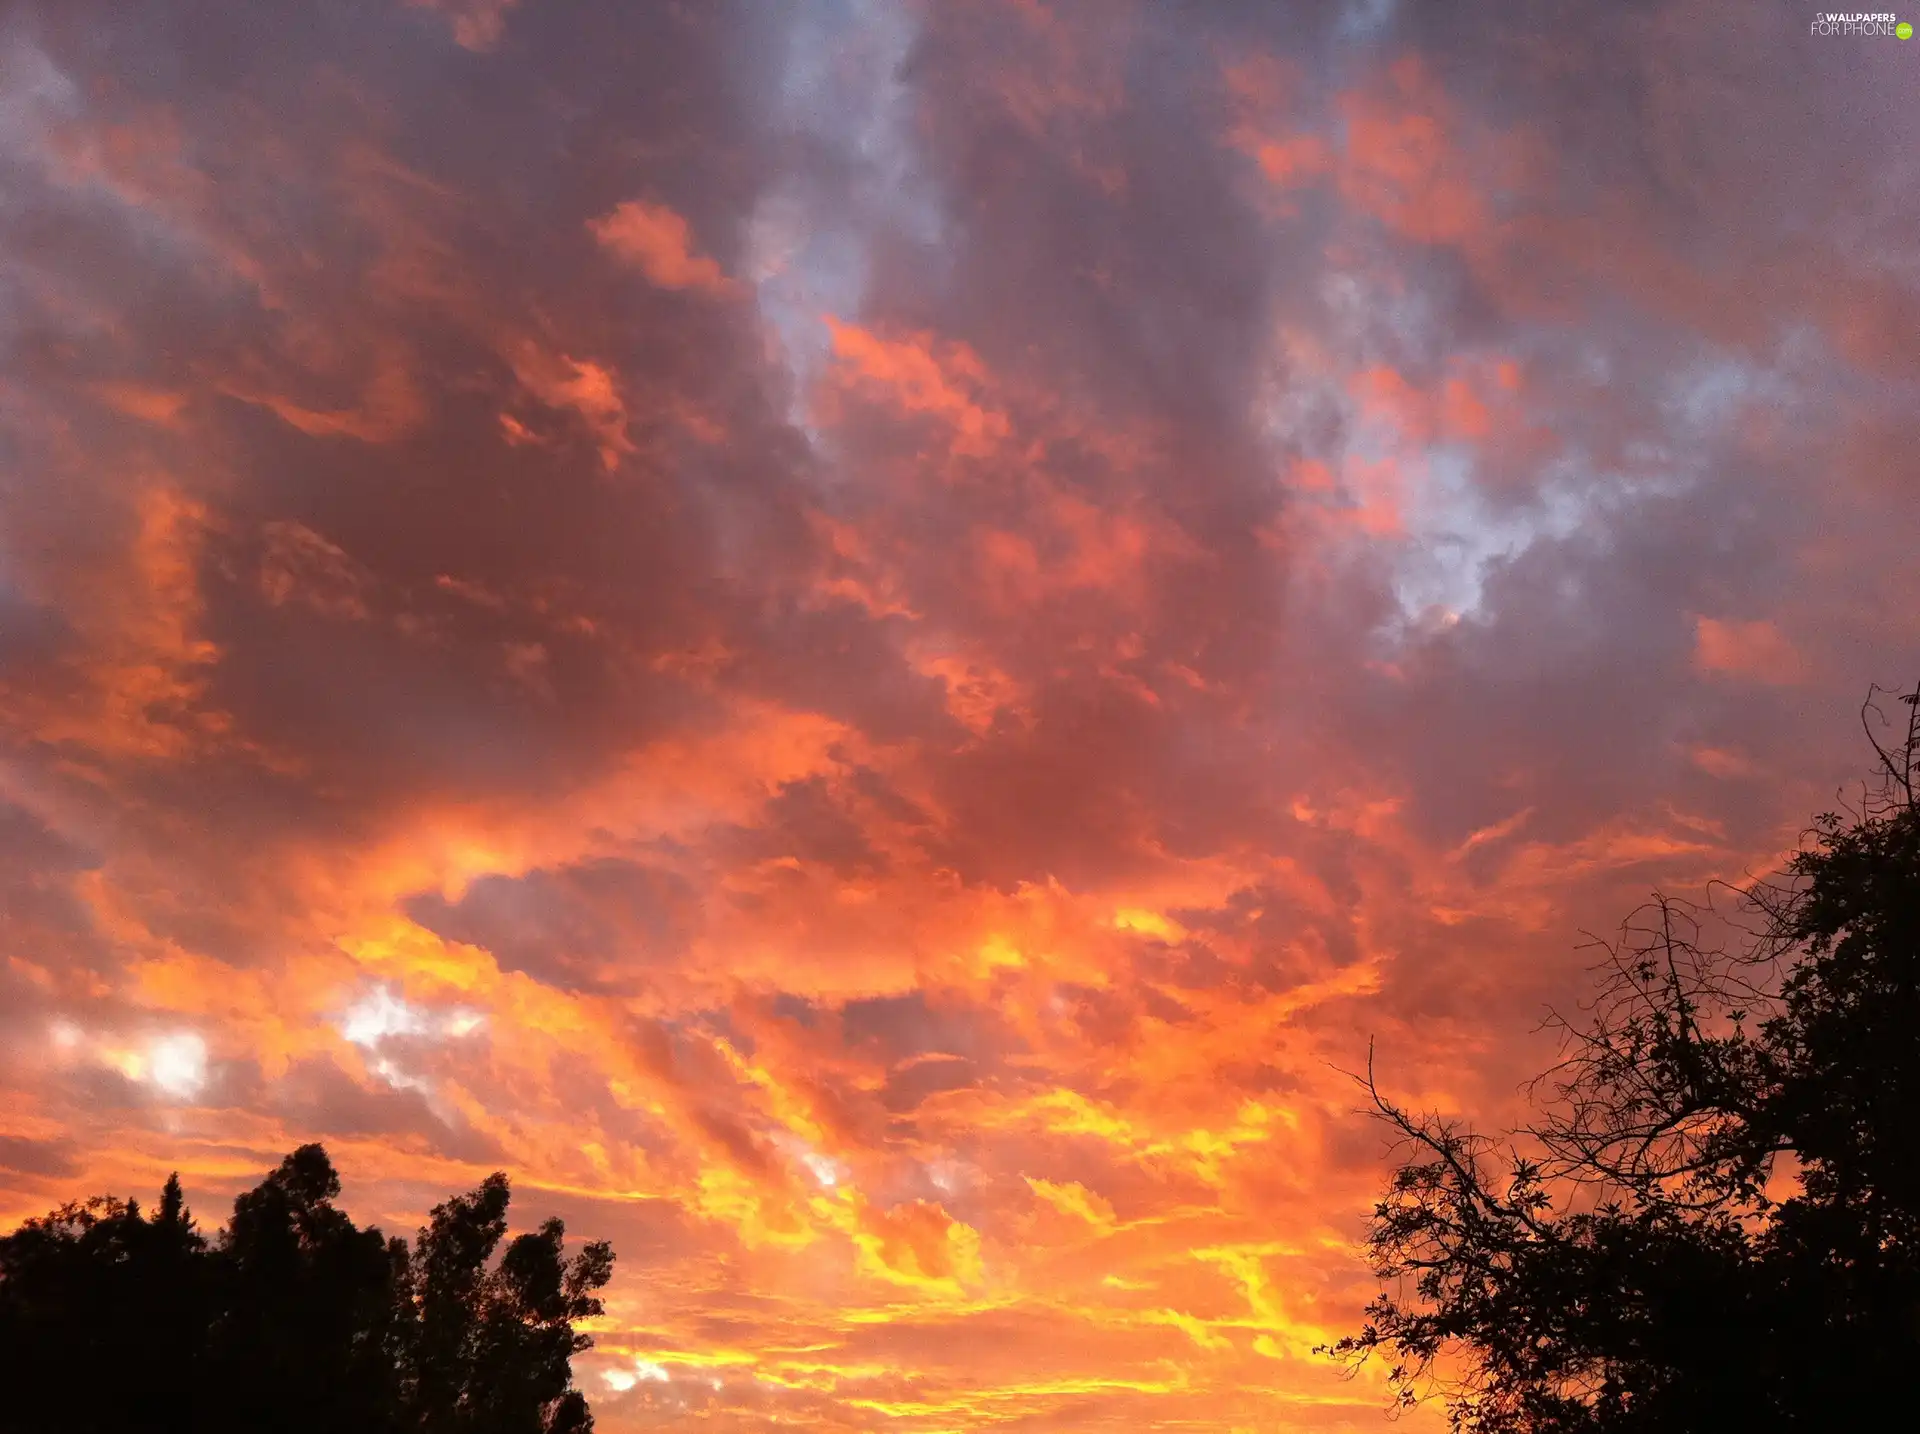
{"points": [[91, 1288], [1715, 1224], [488, 1348], [303, 1333], [292, 1318]]}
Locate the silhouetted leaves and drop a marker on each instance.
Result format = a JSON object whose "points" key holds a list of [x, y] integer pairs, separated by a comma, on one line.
{"points": [[292, 1319], [1717, 1223]]}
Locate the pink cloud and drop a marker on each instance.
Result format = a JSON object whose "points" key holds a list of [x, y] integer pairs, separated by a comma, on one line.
{"points": [[658, 241], [1754, 651]]}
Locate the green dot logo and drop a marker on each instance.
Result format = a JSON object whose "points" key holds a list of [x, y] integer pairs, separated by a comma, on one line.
{"points": [[1903, 30]]}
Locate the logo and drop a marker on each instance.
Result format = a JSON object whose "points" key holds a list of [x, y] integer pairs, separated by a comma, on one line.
{"points": [[1891, 26]]}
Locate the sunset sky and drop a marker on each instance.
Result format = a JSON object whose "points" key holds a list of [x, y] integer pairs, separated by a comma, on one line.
{"points": [[868, 642]]}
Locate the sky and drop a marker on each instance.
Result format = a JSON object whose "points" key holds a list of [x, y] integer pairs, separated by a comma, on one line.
{"points": [[873, 643]]}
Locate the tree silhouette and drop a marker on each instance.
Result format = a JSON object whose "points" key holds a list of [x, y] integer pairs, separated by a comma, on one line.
{"points": [[292, 1318], [488, 1348], [1716, 1223]]}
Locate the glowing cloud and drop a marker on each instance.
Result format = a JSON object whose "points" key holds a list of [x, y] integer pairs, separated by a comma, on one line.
{"points": [[658, 241], [868, 643], [1756, 651]]}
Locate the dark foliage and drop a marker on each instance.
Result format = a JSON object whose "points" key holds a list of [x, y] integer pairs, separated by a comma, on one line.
{"points": [[292, 1319], [1716, 1225]]}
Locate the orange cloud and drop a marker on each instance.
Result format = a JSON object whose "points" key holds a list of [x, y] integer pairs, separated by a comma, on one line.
{"points": [[150, 405], [947, 382], [588, 389], [901, 827], [1268, 127], [390, 407], [1409, 162], [917, 1244], [1073, 1198], [141, 686], [658, 240], [1753, 651], [301, 566], [1465, 405]]}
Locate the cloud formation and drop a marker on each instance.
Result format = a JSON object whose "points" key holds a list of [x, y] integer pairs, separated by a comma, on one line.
{"points": [[869, 642], [653, 237]]}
